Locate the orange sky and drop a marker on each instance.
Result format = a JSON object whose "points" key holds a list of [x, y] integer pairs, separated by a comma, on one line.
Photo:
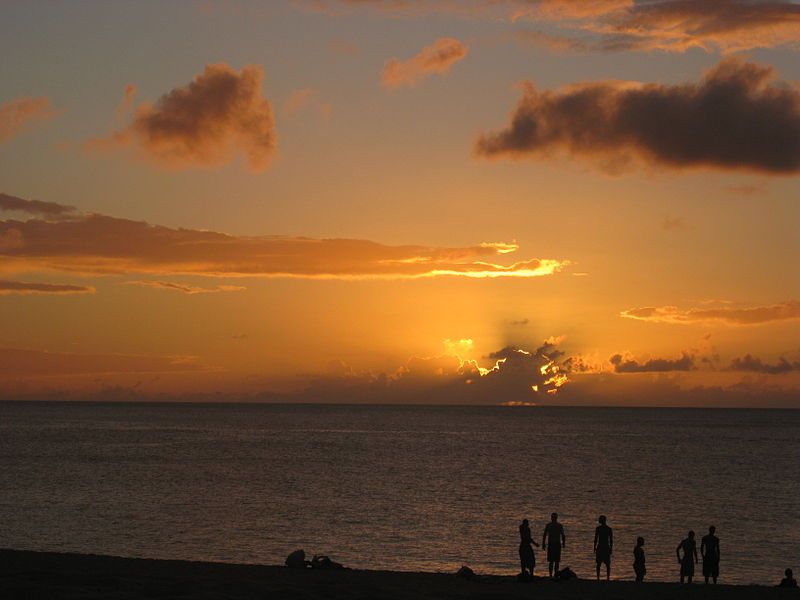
{"points": [[422, 201]]}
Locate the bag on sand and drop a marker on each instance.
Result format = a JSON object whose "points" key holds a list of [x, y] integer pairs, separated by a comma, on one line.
{"points": [[297, 560], [566, 574]]}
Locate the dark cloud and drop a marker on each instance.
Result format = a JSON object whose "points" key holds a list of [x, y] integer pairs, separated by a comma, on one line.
{"points": [[752, 364], [23, 288], [736, 118], [34, 207], [517, 376], [654, 365], [205, 123]]}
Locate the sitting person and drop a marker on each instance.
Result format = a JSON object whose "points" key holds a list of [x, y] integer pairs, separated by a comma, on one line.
{"points": [[789, 581]]}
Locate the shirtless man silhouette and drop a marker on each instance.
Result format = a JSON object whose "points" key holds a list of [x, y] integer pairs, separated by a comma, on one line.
{"points": [[709, 550], [553, 540], [603, 546], [689, 558]]}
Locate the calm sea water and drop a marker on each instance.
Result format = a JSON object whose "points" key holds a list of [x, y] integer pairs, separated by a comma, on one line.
{"points": [[407, 488]]}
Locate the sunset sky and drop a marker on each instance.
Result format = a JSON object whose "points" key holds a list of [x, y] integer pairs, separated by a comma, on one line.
{"points": [[440, 201]]}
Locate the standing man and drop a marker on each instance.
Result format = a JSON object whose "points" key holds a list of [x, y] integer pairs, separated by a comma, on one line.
{"points": [[709, 550], [689, 558], [639, 566], [603, 546], [553, 539]]}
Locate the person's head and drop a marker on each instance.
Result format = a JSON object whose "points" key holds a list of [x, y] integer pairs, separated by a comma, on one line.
{"points": [[554, 517], [712, 530], [602, 519], [691, 534], [640, 541], [525, 522], [788, 573]]}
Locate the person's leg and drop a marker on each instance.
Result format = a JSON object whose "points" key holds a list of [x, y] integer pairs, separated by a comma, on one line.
{"points": [[557, 567], [608, 571], [550, 568], [598, 570]]}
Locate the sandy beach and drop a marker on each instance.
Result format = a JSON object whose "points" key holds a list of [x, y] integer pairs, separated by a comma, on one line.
{"points": [[75, 576]]}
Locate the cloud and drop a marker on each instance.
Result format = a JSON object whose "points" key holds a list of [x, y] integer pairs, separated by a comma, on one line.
{"points": [[747, 189], [624, 25], [15, 362], [519, 322], [97, 245], [728, 315], [515, 376], [752, 364], [435, 59], [736, 118], [654, 365], [8, 288], [204, 124], [304, 99], [678, 25], [34, 207], [673, 223], [21, 113], [187, 289]]}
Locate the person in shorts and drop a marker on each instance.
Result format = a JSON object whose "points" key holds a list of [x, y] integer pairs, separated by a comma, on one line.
{"points": [[689, 557], [553, 540], [603, 546], [709, 550]]}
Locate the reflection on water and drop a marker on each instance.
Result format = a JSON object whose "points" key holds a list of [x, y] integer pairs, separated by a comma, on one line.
{"points": [[410, 488]]}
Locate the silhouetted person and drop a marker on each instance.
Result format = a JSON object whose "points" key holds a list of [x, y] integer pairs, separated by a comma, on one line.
{"points": [[789, 581], [638, 560], [553, 539], [603, 546], [709, 550], [527, 559], [689, 558]]}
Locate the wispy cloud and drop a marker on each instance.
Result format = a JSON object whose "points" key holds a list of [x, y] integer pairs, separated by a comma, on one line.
{"points": [[22, 113], [187, 289], [15, 362], [34, 207], [435, 59], [22, 288], [727, 315], [736, 118], [97, 244]]}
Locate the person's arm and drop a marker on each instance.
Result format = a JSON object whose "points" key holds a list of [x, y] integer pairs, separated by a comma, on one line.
{"points": [[703, 548], [563, 538], [610, 541], [594, 546], [718, 552], [694, 550], [544, 538], [678, 552]]}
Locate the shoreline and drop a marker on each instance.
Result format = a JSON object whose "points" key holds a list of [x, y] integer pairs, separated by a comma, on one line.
{"points": [[30, 574]]}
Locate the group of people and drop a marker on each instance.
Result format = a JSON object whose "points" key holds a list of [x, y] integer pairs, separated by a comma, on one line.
{"points": [[554, 540]]}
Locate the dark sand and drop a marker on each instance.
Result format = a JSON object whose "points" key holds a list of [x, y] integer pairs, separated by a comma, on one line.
{"points": [[46, 576]]}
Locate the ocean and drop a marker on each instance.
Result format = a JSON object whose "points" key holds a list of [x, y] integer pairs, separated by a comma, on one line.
{"points": [[400, 487]]}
